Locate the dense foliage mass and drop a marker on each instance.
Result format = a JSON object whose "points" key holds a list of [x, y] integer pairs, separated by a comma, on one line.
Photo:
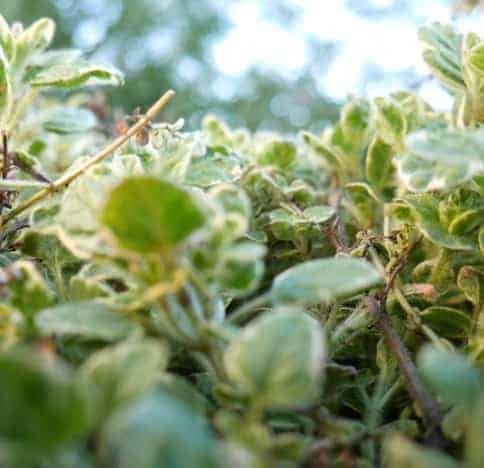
{"points": [[219, 298]]}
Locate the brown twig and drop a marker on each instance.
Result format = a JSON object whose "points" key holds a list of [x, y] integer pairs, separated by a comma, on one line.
{"points": [[6, 156], [31, 171], [427, 404], [4, 196], [66, 179], [376, 306], [398, 266]]}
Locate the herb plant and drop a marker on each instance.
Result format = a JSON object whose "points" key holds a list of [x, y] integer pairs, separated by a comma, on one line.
{"points": [[220, 298]]}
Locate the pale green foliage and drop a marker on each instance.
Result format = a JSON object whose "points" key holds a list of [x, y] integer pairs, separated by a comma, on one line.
{"points": [[36, 396], [125, 371], [324, 280], [149, 215], [224, 280], [406, 454], [442, 369], [277, 360], [134, 437], [87, 320]]}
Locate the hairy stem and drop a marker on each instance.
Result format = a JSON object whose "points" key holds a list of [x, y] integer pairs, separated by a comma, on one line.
{"points": [[427, 404], [247, 310], [66, 179], [6, 156]]}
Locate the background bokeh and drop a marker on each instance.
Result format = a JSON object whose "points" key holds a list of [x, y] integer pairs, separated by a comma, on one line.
{"points": [[272, 64]]}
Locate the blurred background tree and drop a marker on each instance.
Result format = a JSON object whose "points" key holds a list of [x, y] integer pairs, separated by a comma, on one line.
{"points": [[198, 48]]}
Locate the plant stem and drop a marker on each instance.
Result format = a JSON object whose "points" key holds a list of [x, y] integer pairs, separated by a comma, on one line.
{"points": [[410, 311], [6, 158], [247, 310], [103, 154], [4, 196], [374, 414], [429, 407]]}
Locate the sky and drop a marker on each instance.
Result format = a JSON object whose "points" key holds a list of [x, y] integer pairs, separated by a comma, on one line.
{"points": [[390, 44]]}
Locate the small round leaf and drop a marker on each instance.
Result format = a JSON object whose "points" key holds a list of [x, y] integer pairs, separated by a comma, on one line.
{"points": [[278, 359], [324, 280], [146, 214]]}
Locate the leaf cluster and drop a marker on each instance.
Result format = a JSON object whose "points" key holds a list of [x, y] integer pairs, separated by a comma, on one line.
{"points": [[221, 298]]}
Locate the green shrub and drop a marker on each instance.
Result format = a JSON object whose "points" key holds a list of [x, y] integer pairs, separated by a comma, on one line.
{"points": [[218, 298]]}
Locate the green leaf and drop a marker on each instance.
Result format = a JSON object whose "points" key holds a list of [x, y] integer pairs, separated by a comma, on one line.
{"points": [[449, 375], [379, 163], [355, 119], [88, 320], [235, 209], [281, 154], [470, 281], [212, 169], [331, 156], [29, 293], [287, 225], [442, 159], [324, 280], [48, 248], [443, 54], [74, 74], [426, 212], [447, 321], [452, 147], [32, 41], [50, 58], [150, 215], [474, 451], [19, 185], [366, 201], [475, 58], [41, 406], [182, 389], [318, 214], [157, 430], [7, 42], [416, 111], [467, 221], [70, 120], [232, 199], [124, 371], [278, 358], [241, 267], [6, 94], [403, 453], [218, 132], [92, 281], [422, 175], [390, 122]]}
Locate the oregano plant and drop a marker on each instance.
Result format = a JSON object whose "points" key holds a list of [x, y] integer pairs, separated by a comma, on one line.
{"points": [[220, 298]]}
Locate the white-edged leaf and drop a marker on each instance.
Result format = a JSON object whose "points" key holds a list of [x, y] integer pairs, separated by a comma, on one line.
{"points": [[324, 280], [278, 359], [89, 320], [74, 74], [17, 185], [443, 54], [70, 120], [426, 213]]}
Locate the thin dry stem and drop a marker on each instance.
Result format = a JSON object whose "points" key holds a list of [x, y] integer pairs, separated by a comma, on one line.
{"points": [[66, 179], [427, 404]]}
